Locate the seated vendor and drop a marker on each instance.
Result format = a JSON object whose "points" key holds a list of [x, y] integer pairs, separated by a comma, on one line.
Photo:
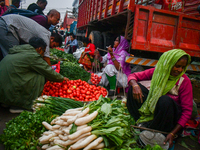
{"points": [[87, 57], [167, 106], [22, 74], [72, 44], [116, 68]]}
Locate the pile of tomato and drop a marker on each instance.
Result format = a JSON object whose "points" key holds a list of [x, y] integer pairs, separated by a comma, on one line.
{"points": [[74, 89], [95, 79]]}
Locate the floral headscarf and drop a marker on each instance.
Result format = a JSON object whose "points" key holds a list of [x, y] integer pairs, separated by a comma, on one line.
{"points": [[121, 52]]}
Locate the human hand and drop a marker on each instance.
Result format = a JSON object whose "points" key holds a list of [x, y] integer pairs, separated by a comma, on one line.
{"points": [[66, 79], [169, 139], [96, 52], [110, 50], [137, 93]]}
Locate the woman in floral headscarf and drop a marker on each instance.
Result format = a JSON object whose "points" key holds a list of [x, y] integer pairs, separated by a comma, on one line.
{"points": [[168, 104], [116, 68]]}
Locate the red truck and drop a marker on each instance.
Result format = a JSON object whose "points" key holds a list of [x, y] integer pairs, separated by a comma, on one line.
{"points": [[151, 30]]}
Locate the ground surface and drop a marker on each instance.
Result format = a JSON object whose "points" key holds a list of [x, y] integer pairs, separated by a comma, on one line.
{"points": [[5, 116]]}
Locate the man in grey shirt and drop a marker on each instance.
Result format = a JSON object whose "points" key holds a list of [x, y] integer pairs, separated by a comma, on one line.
{"points": [[17, 29]]}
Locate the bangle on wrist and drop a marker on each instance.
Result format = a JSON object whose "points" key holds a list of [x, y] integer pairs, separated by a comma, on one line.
{"points": [[113, 59], [135, 86], [172, 134]]}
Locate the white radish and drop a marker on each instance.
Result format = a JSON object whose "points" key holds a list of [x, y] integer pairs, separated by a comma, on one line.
{"points": [[45, 139], [55, 147], [66, 131], [77, 142], [46, 146], [54, 138], [62, 137], [85, 142], [94, 143], [75, 109], [59, 122], [71, 113], [101, 145], [55, 127], [65, 118], [80, 132], [70, 121], [69, 142], [59, 142], [47, 132], [46, 125], [81, 127], [86, 119], [58, 132], [54, 120], [83, 113]]}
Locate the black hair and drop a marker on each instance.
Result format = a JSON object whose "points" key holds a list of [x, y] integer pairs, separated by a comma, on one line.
{"points": [[37, 42], [16, 1], [72, 35], [53, 11], [119, 38], [86, 40], [57, 38], [184, 57], [43, 1]]}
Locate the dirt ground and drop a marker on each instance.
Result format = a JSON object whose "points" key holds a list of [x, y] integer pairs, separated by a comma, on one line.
{"points": [[5, 116]]}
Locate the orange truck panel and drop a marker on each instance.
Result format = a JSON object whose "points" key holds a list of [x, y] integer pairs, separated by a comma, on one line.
{"points": [[155, 30]]}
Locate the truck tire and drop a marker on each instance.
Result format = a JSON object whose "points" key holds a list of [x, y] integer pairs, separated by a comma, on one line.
{"points": [[96, 39], [108, 39]]}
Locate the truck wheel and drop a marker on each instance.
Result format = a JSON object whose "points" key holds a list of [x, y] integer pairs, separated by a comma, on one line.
{"points": [[96, 39], [108, 39]]}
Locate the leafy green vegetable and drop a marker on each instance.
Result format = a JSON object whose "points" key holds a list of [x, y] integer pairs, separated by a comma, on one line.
{"points": [[184, 144], [74, 71], [73, 129], [59, 105], [106, 108], [22, 132], [60, 55], [112, 123]]}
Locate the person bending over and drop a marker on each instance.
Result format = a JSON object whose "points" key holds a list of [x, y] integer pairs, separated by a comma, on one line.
{"points": [[17, 29], [23, 73]]}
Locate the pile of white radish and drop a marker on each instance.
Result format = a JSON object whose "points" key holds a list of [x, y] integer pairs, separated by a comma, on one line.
{"points": [[59, 138]]}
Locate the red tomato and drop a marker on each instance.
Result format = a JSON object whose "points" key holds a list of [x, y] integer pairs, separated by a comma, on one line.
{"points": [[78, 94], [83, 91], [69, 91], [88, 92]]}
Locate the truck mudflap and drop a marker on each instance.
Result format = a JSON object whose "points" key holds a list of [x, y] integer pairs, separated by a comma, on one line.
{"points": [[153, 62]]}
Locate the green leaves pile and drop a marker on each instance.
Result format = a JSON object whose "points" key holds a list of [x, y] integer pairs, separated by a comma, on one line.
{"points": [[112, 123], [22, 132], [69, 66], [74, 71], [60, 55]]}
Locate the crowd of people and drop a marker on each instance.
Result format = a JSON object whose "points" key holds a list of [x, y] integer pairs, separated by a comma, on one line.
{"points": [[25, 64], [24, 53]]}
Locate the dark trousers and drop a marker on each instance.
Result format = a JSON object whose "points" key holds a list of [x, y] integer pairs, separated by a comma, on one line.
{"points": [[166, 114], [7, 39]]}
